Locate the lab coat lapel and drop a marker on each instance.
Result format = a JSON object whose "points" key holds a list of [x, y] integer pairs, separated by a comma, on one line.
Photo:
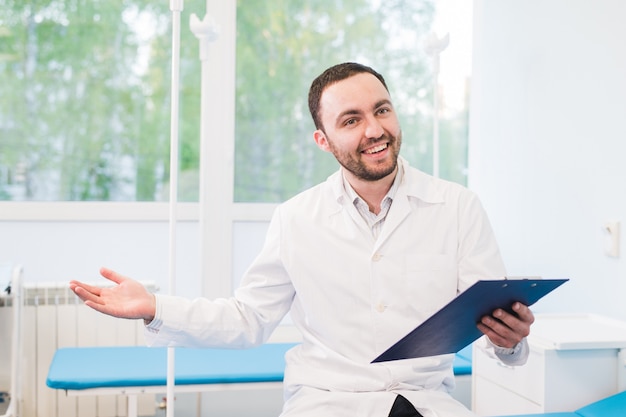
{"points": [[346, 207], [361, 224], [399, 210], [415, 185]]}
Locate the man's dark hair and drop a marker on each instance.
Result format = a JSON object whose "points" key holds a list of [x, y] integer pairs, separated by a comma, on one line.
{"points": [[330, 76]]}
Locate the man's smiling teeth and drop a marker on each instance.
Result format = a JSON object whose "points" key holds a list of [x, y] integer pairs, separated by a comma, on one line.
{"points": [[376, 149]]}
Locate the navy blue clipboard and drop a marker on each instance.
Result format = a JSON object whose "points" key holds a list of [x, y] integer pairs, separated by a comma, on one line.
{"points": [[454, 326]]}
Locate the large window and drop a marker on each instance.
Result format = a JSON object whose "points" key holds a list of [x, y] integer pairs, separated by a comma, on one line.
{"points": [[85, 87]]}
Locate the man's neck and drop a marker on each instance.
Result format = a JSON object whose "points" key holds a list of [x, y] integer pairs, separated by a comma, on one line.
{"points": [[372, 192]]}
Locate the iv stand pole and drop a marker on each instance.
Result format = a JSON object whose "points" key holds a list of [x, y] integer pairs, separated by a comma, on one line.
{"points": [[176, 6], [206, 32], [434, 46]]}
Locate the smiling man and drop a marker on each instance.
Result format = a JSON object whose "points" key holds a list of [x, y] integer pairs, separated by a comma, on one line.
{"points": [[358, 260], [355, 120]]}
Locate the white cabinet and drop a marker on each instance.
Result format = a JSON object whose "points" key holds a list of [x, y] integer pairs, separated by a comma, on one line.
{"points": [[574, 360]]}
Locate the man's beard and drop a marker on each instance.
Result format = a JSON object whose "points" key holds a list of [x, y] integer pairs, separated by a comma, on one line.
{"points": [[359, 169]]}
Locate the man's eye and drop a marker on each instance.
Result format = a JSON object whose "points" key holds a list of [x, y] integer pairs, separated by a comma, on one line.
{"points": [[350, 122]]}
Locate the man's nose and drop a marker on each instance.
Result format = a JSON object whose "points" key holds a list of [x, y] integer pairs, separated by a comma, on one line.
{"points": [[374, 128]]}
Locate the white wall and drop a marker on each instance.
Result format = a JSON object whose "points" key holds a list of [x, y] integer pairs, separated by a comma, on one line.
{"points": [[58, 251], [548, 142], [53, 251]]}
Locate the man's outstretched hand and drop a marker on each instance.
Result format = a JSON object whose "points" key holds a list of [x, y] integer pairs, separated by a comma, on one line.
{"points": [[127, 299]]}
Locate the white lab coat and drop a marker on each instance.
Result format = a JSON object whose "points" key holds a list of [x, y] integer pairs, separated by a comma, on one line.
{"points": [[350, 295]]}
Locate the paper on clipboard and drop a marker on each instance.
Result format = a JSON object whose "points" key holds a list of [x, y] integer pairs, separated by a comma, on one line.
{"points": [[454, 326]]}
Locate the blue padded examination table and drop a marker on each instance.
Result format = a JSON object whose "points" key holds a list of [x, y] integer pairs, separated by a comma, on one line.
{"points": [[613, 406], [101, 367], [138, 370], [462, 364]]}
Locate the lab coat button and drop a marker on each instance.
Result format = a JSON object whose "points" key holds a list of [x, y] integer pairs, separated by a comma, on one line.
{"points": [[377, 257], [381, 307]]}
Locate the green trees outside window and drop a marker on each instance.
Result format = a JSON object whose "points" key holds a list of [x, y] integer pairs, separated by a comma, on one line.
{"points": [[85, 85]]}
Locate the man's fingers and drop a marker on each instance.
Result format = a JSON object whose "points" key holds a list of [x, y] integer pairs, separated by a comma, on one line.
{"points": [[524, 313], [496, 326], [87, 295], [493, 336], [90, 288], [505, 329], [519, 322], [112, 275]]}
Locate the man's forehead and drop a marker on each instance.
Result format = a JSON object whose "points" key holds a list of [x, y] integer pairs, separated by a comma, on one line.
{"points": [[359, 90]]}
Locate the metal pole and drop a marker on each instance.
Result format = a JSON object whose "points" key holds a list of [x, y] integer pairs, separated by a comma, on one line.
{"points": [[176, 6], [434, 46], [206, 31]]}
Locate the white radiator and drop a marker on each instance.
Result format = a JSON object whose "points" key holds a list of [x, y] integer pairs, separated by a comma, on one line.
{"points": [[53, 317]]}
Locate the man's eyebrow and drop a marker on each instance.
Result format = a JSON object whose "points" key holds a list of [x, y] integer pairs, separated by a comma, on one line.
{"points": [[347, 113], [382, 103]]}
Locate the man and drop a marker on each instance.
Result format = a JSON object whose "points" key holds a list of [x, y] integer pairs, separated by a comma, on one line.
{"points": [[359, 261]]}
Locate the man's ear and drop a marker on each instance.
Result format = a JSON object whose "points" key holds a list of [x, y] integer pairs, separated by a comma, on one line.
{"points": [[320, 139]]}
